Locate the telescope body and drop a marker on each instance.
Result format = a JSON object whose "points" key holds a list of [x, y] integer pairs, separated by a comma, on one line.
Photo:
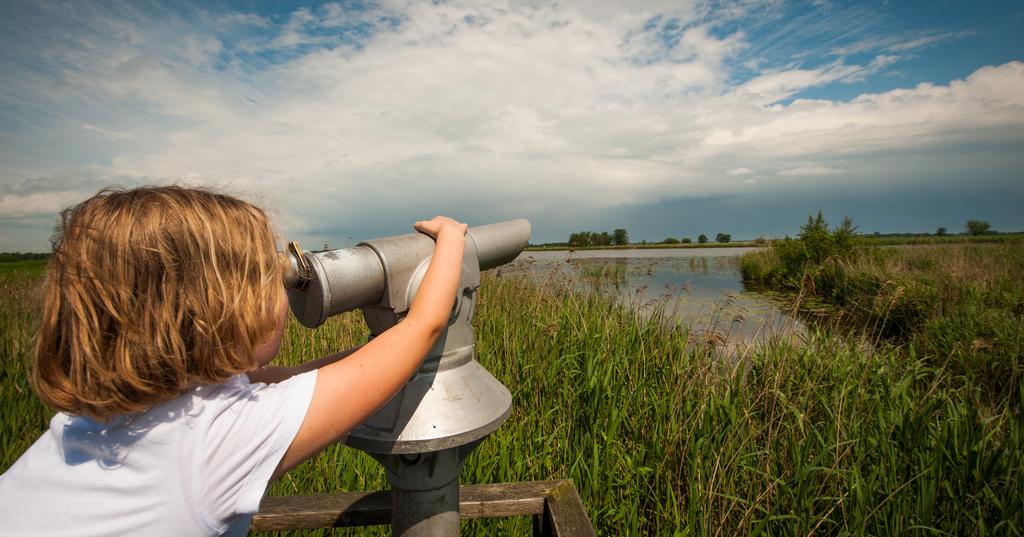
{"points": [[425, 432], [386, 272], [451, 400]]}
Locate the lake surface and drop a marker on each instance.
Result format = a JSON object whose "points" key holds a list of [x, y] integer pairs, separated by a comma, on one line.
{"points": [[699, 287]]}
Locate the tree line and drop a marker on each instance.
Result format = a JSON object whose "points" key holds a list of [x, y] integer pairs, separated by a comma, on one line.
{"points": [[701, 239], [620, 237]]}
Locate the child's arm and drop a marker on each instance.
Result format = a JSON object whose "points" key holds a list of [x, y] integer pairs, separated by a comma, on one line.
{"points": [[277, 373], [348, 391]]}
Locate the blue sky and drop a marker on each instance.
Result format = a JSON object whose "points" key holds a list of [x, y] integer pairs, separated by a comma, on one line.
{"points": [[351, 120]]}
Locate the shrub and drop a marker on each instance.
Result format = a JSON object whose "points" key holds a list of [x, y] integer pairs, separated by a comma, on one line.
{"points": [[977, 227], [814, 246]]}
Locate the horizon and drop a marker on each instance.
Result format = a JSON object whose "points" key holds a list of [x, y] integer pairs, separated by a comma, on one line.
{"points": [[349, 121]]}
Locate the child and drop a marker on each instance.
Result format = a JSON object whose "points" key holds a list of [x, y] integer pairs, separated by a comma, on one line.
{"points": [[161, 308]]}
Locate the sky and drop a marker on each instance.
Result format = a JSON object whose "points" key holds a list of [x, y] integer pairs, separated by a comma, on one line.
{"points": [[349, 121]]}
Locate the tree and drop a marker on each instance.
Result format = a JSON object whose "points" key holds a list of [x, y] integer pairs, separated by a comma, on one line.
{"points": [[670, 240], [844, 237], [816, 238], [685, 240], [820, 244], [977, 227], [620, 237], [723, 237], [941, 231], [702, 238]]}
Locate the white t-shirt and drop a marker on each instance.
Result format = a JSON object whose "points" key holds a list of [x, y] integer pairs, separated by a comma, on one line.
{"points": [[196, 465]]}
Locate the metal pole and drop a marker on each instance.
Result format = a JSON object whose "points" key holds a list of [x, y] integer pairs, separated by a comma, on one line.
{"points": [[424, 492]]}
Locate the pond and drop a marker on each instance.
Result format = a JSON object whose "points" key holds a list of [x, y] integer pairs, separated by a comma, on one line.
{"points": [[701, 288]]}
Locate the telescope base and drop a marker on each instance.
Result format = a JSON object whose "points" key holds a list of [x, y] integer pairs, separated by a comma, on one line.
{"points": [[425, 491]]}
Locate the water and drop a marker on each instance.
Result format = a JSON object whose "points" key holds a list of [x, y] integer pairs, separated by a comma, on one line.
{"points": [[699, 287]]}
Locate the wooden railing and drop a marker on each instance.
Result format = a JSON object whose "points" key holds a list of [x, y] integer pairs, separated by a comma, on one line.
{"points": [[555, 506]]}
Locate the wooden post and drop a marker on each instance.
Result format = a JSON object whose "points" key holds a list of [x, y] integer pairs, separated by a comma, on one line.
{"points": [[564, 513]]}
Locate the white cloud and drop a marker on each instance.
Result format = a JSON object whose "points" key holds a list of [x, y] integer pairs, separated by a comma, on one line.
{"points": [[927, 40], [815, 171], [106, 132], [773, 87], [511, 110], [897, 43], [12, 206]]}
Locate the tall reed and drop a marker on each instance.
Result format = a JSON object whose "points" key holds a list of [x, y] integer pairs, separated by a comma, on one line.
{"points": [[663, 438], [22, 416], [957, 306]]}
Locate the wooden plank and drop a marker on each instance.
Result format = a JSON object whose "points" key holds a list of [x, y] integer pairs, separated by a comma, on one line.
{"points": [[323, 511], [564, 514], [372, 508], [504, 499]]}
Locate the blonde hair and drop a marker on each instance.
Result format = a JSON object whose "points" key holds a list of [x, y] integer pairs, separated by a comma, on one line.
{"points": [[149, 292]]}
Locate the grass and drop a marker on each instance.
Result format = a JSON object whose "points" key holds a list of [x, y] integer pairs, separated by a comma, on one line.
{"points": [[996, 238], [817, 437], [961, 305], [24, 417], [33, 267]]}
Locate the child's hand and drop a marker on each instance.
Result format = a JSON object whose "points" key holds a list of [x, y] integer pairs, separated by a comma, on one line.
{"points": [[436, 225]]}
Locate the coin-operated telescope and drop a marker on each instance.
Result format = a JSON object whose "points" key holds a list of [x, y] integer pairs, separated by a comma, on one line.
{"points": [[424, 433]]}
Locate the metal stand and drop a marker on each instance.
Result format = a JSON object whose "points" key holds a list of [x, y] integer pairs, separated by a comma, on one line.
{"points": [[424, 433]]}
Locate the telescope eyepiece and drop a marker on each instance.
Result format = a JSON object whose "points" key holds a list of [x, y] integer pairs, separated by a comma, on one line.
{"points": [[296, 270]]}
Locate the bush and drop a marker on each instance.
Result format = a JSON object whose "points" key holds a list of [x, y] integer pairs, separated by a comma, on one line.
{"points": [[977, 227], [814, 246]]}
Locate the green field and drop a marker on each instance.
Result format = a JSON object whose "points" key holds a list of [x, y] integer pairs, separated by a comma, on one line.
{"points": [[34, 267], [847, 431]]}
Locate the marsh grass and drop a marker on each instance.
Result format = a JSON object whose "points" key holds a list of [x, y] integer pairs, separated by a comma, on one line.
{"points": [[23, 416], [958, 306], [661, 438]]}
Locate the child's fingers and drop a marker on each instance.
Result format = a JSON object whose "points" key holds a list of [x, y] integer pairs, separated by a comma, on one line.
{"points": [[433, 226]]}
